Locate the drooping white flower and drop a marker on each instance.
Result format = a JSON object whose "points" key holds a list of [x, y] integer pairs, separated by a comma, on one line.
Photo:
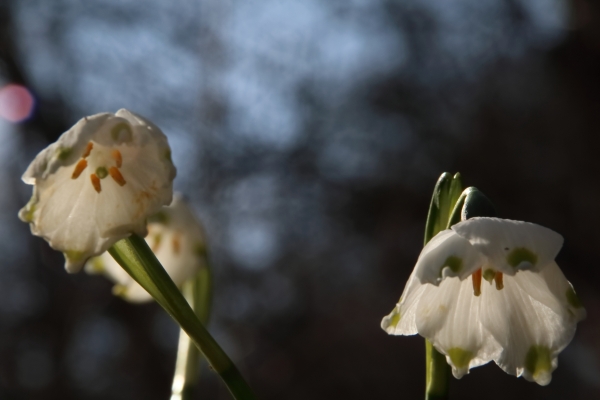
{"points": [[176, 238], [522, 319], [97, 184]]}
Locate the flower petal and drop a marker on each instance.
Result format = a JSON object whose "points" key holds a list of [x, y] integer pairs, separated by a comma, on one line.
{"points": [[178, 241], [448, 316], [562, 289], [401, 321], [67, 150], [447, 255], [510, 245], [530, 323]]}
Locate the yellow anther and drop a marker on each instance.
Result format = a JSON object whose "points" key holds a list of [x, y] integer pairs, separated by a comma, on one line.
{"points": [[88, 149], [116, 154], [116, 175], [176, 244], [498, 280], [81, 165], [476, 282], [96, 182]]}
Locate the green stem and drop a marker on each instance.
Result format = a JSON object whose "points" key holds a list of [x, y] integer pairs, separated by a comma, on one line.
{"points": [[197, 291], [437, 373], [134, 255]]}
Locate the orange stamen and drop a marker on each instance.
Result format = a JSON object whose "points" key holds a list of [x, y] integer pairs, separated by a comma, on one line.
{"points": [[498, 280], [88, 149], [96, 182], [476, 282], [116, 154], [116, 175], [176, 244], [81, 165]]}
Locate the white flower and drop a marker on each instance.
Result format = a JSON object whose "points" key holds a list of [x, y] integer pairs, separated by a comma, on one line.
{"points": [[97, 184], [176, 238], [522, 319]]}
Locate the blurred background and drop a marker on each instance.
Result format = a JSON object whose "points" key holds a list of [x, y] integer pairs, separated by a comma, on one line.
{"points": [[308, 135]]}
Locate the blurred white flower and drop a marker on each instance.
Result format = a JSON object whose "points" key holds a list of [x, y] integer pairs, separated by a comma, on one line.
{"points": [[178, 241], [521, 320], [97, 184]]}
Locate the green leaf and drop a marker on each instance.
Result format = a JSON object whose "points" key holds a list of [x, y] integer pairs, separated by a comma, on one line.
{"points": [[445, 195]]}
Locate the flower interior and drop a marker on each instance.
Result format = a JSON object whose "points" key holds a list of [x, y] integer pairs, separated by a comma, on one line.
{"points": [[103, 161]]}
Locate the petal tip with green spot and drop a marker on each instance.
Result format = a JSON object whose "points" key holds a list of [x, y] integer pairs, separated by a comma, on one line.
{"points": [[539, 365], [573, 299], [389, 322]]}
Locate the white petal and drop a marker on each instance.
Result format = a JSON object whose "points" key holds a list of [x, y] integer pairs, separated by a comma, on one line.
{"points": [[562, 290], [401, 321], [531, 328], [509, 245], [447, 255], [66, 150], [177, 239], [448, 316]]}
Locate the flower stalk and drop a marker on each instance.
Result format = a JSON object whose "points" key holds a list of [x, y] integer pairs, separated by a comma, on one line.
{"points": [[198, 292], [136, 257]]}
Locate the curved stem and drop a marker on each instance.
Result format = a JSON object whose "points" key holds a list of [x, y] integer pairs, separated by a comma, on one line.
{"points": [[134, 255]]}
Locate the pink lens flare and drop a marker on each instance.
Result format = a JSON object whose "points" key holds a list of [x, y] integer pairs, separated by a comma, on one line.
{"points": [[16, 103]]}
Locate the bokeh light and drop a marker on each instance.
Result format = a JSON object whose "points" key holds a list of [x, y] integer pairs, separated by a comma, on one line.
{"points": [[16, 103]]}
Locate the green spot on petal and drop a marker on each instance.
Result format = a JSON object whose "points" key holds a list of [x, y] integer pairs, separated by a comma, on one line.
{"points": [[121, 132], [573, 299], [160, 217], [26, 213], [538, 360], [96, 266], [119, 290], [521, 255], [157, 239], [395, 319], [460, 358], [101, 172], [73, 255], [63, 153], [454, 263], [489, 275]]}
